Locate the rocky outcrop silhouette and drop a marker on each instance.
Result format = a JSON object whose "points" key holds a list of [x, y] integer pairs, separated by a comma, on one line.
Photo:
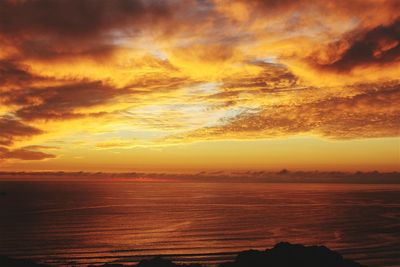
{"points": [[281, 255], [289, 255], [160, 262], [9, 262]]}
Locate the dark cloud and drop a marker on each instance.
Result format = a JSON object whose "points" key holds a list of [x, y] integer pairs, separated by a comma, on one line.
{"points": [[23, 154], [38, 49], [357, 8], [12, 129], [58, 28], [14, 75], [59, 102], [84, 18], [378, 46]]}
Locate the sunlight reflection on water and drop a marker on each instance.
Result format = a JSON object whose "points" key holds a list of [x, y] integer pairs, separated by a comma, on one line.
{"points": [[206, 222]]}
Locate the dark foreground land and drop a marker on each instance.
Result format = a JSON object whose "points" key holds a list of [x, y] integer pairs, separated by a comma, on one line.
{"points": [[282, 255]]}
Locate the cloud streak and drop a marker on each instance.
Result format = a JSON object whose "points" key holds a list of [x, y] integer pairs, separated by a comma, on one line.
{"points": [[12, 129], [24, 154]]}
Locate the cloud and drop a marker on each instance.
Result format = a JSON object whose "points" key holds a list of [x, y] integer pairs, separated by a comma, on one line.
{"points": [[378, 46], [47, 29], [319, 48], [364, 115], [24, 154], [59, 102], [295, 11], [113, 144], [13, 75], [140, 70], [38, 147], [271, 77], [12, 129]]}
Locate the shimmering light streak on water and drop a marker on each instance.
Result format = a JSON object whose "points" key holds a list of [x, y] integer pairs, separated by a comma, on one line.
{"points": [[97, 222]]}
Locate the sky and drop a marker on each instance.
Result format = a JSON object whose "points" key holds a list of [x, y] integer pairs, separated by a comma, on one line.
{"points": [[197, 85]]}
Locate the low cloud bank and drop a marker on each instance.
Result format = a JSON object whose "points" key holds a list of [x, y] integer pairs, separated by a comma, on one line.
{"points": [[283, 176]]}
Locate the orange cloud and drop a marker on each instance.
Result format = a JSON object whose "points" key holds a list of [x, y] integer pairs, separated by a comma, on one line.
{"points": [[365, 115]]}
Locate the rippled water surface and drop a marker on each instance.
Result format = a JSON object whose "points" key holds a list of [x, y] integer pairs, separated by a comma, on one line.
{"points": [[72, 223]]}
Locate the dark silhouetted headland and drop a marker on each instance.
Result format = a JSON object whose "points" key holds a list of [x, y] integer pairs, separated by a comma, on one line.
{"points": [[289, 255], [281, 255], [8, 262]]}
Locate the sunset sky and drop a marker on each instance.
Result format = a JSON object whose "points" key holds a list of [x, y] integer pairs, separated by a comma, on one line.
{"points": [[197, 85]]}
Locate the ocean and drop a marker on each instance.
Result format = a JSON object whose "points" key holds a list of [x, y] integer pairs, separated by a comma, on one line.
{"points": [[81, 223]]}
